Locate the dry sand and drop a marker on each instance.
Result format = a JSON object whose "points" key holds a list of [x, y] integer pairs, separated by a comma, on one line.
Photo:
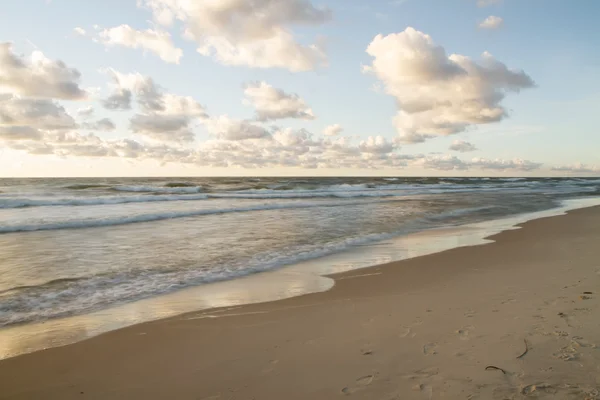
{"points": [[424, 328]]}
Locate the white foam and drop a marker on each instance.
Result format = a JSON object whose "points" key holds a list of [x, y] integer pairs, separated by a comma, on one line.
{"points": [[298, 279], [91, 201], [159, 189], [92, 223]]}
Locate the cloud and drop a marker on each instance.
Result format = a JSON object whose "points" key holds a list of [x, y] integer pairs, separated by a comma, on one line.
{"points": [[333, 130], [243, 144], [577, 168], [439, 94], [376, 145], [39, 76], [271, 103], [151, 97], [487, 3], [462, 146], [19, 133], [155, 41], [499, 164], [79, 31], [491, 22], [289, 147], [16, 111], [453, 163], [85, 111], [119, 100], [104, 124], [226, 128], [164, 116], [255, 34], [441, 162], [162, 127]]}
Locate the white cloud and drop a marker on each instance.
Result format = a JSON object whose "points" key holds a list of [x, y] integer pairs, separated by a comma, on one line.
{"points": [[164, 116], [247, 147], [226, 128], [376, 145], [119, 100], [38, 76], [151, 97], [440, 162], [439, 94], [85, 111], [104, 124], [451, 163], [162, 127], [79, 31], [577, 168], [155, 41], [19, 133], [499, 164], [487, 3], [333, 130], [462, 146], [41, 114], [255, 34], [271, 103], [491, 22]]}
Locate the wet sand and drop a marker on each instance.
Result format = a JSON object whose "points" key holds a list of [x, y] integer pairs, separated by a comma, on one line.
{"points": [[513, 319]]}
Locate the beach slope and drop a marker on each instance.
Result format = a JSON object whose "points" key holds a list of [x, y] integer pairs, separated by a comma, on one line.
{"points": [[515, 318]]}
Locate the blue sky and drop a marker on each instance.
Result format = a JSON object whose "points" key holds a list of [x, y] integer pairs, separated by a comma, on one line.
{"points": [[554, 42]]}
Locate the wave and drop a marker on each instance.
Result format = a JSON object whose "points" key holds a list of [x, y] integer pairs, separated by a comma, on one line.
{"points": [[44, 285], [182, 191], [69, 296], [21, 203], [179, 184], [268, 194], [66, 297], [86, 186], [354, 192], [94, 223], [158, 189]]}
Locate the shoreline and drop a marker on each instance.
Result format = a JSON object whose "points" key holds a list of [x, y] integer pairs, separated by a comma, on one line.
{"points": [[299, 279], [407, 329]]}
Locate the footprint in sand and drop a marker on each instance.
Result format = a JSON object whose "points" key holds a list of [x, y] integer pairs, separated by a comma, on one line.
{"points": [[271, 366], [565, 317], [533, 390], [424, 373], [578, 341], [463, 333], [407, 333], [430, 349], [359, 384], [422, 376], [426, 390], [568, 353]]}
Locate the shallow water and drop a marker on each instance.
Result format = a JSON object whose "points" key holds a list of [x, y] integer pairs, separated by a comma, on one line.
{"points": [[73, 247], [294, 280]]}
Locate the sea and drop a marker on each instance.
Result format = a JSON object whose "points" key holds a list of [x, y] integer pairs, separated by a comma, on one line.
{"points": [[75, 249]]}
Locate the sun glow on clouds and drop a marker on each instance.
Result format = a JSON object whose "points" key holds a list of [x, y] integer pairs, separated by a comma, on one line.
{"points": [[437, 94]]}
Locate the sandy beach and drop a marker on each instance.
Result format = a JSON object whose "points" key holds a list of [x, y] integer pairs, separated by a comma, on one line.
{"points": [[513, 319]]}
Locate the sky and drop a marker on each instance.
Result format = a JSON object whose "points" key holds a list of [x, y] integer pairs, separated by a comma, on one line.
{"points": [[299, 87]]}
